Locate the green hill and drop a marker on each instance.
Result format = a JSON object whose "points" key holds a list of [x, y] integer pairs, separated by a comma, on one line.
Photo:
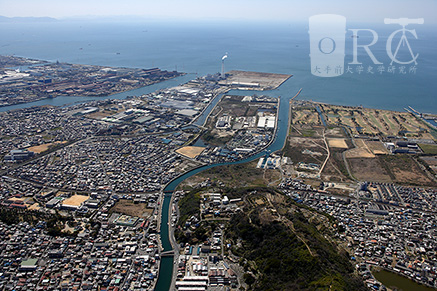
{"points": [[281, 249]]}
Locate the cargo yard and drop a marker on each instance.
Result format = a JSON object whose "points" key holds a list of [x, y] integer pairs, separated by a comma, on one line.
{"points": [[253, 80], [48, 80]]}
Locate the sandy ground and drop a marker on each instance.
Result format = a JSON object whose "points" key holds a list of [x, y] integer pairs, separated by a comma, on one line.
{"points": [[369, 169], [42, 148], [100, 115], [34, 206], [265, 80], [16, 199], [362, 151], [337, 143], [75, 200], [359, 153], [190, 151], [376, 147], [129, 208]]}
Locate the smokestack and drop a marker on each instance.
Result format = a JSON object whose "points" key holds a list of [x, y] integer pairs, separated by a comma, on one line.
{"points": [[223, 64]]}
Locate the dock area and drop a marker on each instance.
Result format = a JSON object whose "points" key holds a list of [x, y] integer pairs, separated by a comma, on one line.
{"points": [[247, 80]]}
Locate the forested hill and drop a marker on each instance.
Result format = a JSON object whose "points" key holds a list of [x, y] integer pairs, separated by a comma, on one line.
{"points": [[282, 246]]}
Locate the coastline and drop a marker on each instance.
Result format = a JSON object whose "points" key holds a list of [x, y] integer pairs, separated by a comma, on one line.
{"points": [[99, 96]]}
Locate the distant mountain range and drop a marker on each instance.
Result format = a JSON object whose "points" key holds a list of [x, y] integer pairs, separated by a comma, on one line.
{"points": [[27, 19]]}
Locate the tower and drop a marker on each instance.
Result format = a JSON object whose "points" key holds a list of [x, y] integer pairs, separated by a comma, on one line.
{"points": [[223, 64]]}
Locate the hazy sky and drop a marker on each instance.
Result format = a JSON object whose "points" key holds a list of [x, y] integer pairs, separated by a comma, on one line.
{"points": [[364, 10]]}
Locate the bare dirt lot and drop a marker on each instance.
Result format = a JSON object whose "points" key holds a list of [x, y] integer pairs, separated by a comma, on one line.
{"points": [[335, 169], [376, 147], [100, 114], [190, 151], [75, 200], [263, 81], [43, 147], [369, 169], [337, 143], [128, 207], [400, 169], [39, 149], [431, 161], [361, 151], [405, 170]]}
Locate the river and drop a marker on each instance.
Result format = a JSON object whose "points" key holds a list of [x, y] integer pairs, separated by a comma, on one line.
{"points": [[166, 266]]}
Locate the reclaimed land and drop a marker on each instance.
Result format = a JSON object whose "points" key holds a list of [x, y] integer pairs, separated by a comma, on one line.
{"points": [[48, 80], [254, 80]]}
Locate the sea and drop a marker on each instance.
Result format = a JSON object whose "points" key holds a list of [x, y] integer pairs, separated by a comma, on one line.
{"points": [[197, 48]]}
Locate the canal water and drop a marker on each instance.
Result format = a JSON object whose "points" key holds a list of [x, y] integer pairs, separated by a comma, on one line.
{"points": [[285, 92], [393, 280], [66, 100]]}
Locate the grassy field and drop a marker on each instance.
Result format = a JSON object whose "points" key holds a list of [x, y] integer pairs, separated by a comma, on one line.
{"points": [[241, 175], [429, 149], [307, 150], [335, 169], [376, 147], [375, 121], [305, 115]]}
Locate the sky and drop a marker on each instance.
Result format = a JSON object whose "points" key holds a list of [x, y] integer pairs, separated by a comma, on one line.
{"points": [[283, 10]]}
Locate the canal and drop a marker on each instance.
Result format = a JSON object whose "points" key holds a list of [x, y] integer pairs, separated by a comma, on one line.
{"points": [[166, 265]]}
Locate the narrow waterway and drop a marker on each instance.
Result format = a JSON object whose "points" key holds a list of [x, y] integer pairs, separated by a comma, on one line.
{"points": [[166, 265]]}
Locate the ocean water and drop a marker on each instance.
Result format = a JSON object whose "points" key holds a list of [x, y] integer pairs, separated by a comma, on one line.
{"points": [[267, 47]]}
